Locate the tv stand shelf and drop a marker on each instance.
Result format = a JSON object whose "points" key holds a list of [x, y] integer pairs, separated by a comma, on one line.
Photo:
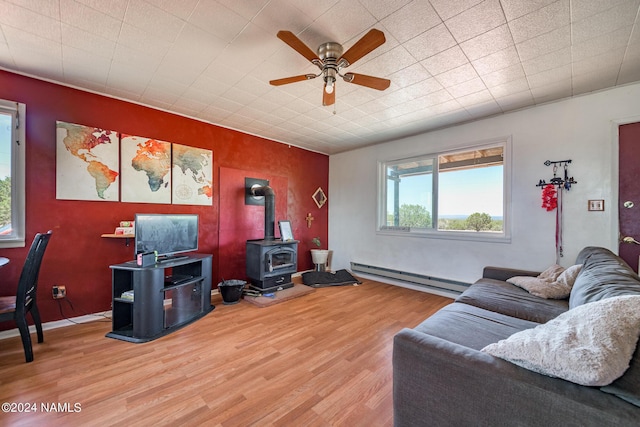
{"points": [[158, 306]]}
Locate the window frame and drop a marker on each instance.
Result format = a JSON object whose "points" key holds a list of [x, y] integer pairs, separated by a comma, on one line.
{"points": [[18, 166], [433, 232]]}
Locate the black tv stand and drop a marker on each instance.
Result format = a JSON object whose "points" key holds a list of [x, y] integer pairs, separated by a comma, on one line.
{"points": [[151, 302], [168, 258]]}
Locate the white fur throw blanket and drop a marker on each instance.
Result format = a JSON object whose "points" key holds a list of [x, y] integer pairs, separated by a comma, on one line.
{"points": [[590, 345]]}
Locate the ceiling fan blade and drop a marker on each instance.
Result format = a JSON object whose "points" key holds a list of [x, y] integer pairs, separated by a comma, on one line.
{"points": [[368, 81], [328, 98], [293, 79], [289, 38], [366, 44]]}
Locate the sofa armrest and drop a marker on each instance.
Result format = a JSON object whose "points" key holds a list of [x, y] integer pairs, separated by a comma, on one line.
{"points": [[437, 382], [502, 274]]}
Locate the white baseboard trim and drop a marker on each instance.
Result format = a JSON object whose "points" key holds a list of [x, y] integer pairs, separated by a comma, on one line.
{"points": [[58, 324]]}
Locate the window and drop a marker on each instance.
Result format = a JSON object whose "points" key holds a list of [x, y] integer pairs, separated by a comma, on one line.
{"points": [[12, 174], [458, 194]]}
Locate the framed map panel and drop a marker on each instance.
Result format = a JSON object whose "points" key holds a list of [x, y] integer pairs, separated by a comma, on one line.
{"points": [[192, 176], [145, 170], [86, 163]]}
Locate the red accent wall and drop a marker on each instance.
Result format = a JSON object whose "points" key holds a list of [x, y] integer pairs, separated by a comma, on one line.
{"points": [[79, 258]]}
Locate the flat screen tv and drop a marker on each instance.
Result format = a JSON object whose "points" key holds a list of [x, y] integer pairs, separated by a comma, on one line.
{"points": [[168, 234]]}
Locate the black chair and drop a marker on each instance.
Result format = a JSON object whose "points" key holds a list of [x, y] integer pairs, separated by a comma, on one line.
{"points": [[17, 307]]}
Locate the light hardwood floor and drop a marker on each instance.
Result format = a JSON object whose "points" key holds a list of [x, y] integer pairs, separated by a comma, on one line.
{"points": [[318, 360]]}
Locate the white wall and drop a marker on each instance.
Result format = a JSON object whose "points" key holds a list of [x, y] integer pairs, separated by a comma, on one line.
{"points": [[581, 129]]}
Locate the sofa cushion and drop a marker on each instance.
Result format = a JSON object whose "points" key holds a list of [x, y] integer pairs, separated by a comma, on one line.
{"points": [[590, 345], [549, 286], [471, 326], [603, 275], [627, 387], [505, 298]]}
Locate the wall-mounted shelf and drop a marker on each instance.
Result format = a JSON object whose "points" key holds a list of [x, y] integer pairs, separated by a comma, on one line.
{"points": [[119, 236]]}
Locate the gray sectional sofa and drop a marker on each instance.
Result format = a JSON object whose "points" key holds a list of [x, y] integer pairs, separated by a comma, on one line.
{"points": [[442, 378]]}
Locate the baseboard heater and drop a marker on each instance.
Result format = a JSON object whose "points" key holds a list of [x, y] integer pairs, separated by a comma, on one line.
{"points": [[416, 279]]}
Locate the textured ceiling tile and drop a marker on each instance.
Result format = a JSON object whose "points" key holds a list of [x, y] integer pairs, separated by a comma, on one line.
{"points": [[80, 66], [342, 23], [457, 75], [545, 43], [181, 9], [590, 82], [245, 8], [630, 70], [313, 8], [496, 61], [195, 47], [504, 76], [380, 9], [601, 44], [516, 100], [252, 46], [218, 20], [488, 43], [477, 20], [507, 88], [126, 77], [605, 22], [556, 90], [425, 87], [480, 97], [411, 20], [546, 62], [114, 8], [445, 61], [516, 8], [50, 8], [89, 42], [148, 46], [605, 63], [89, 19], [153, 21], [213, 59], [205, 90], [448, 9], [385, 64], [29, 21], [581, 9], [430, 42], [550, 76], [272, 20], [466, 88], [484, 109], [542, 21], [447, 107], [409, 75]]}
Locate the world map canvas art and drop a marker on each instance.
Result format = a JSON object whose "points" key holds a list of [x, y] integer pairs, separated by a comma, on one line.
{"points": [[146, 170], [99, 164], [86, 163], [192, 176]]}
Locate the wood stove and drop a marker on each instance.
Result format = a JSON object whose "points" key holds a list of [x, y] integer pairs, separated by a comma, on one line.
{"points": [[270, 262]]}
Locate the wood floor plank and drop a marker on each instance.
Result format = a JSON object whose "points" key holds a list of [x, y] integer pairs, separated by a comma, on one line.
{"points": [[319, 360]]}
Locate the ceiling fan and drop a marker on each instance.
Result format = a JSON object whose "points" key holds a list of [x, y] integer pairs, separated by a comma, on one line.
{"points": [[331, 61]]}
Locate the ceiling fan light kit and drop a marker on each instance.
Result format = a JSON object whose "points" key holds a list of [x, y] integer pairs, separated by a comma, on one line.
{"points": [[331, 60]]}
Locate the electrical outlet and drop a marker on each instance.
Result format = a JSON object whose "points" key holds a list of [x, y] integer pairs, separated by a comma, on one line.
{"points": [[59, 291]]}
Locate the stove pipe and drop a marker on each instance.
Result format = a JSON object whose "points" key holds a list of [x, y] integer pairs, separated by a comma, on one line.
{"points": [[269, 210]]}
